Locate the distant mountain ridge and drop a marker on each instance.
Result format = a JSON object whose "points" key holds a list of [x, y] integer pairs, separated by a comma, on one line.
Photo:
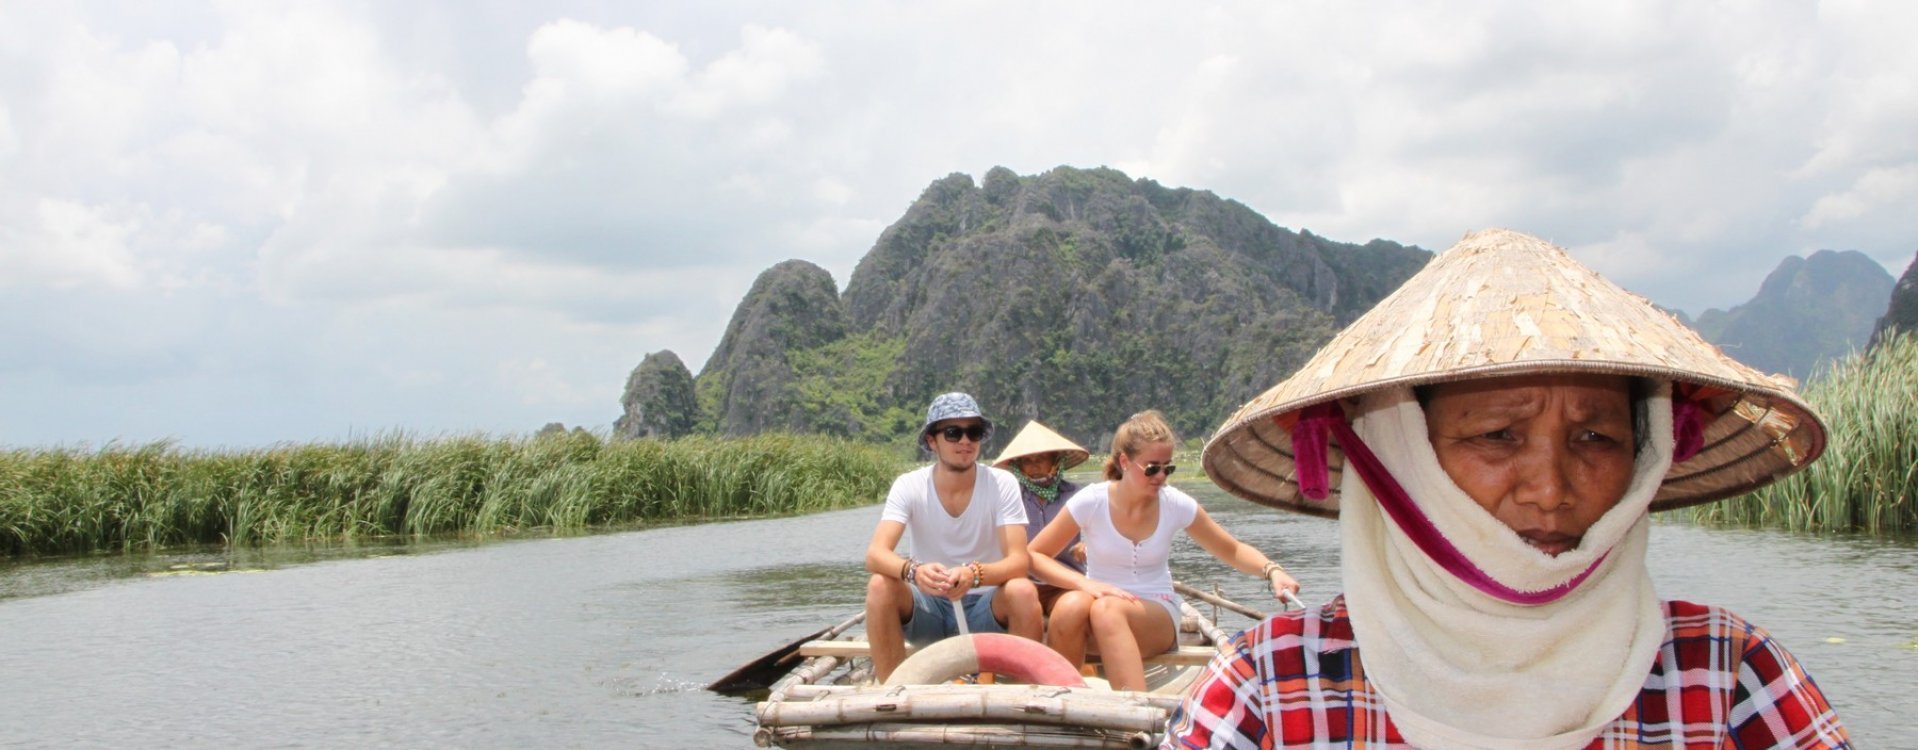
{"points": [[1076, 296], [1808, 312], [1080, 296]]}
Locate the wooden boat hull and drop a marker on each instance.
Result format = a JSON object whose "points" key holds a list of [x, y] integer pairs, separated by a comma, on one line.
{"points": [[826, 702], [946, 715]]}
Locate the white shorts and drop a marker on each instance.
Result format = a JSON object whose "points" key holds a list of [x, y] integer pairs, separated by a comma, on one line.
{"points": [[1170, 602]]}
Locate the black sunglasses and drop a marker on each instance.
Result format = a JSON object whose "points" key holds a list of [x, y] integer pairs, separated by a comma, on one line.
{"points": [[1153, 468], [952, 432]]}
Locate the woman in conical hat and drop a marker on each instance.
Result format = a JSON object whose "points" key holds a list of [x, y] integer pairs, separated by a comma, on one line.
{"points": [[1039, 458], [1492, 437]]}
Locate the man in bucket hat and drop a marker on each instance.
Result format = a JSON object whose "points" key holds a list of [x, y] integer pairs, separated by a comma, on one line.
{"points": [[968, 545], [1492, 437]]}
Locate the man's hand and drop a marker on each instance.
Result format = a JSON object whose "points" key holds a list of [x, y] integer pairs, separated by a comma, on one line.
{"points": [[933, 579], [960, 584]]}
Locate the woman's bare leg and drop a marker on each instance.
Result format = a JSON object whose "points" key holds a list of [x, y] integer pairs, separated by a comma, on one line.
{"points": [[1070, 624], [1125, 630]]}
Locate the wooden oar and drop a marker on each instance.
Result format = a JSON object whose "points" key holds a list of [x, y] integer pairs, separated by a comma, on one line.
{"points": [[762, 672], [1220, 601]]}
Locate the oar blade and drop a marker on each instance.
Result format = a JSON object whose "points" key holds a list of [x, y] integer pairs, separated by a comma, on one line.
{"points": [[762, 672]]}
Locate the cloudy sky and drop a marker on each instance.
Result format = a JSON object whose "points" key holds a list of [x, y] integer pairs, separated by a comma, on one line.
{"points": [[236, 224]]}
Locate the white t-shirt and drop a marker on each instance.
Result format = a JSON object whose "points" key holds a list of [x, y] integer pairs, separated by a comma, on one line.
{"points": [[1143, 568], [933, 535]]}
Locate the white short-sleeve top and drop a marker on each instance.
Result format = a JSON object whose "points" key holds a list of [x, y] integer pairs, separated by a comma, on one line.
{"points": [[1144, 567], [933, 535]]}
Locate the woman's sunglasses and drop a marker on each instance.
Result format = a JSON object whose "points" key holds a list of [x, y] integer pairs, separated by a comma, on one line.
{"points": [[1152, 468], [952, 433]]}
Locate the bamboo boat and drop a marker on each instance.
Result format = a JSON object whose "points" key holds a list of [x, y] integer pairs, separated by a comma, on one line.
{"points": [[828, 701]]}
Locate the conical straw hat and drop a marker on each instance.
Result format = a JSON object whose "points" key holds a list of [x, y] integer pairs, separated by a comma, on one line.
{"points": [[1037, 438], [1503, 303]]}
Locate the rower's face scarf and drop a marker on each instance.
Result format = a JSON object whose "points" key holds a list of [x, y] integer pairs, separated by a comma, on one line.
{"points": [[1475, 638], [1045, 488]]}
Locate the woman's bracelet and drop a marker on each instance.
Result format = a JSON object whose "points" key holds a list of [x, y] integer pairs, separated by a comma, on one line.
{"points": [[1266, 572]]}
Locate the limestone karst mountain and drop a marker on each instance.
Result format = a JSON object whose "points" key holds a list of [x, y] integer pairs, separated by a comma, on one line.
{"points": [[1080, 296], [1077, 296], [1809, 312], [658, 400]]}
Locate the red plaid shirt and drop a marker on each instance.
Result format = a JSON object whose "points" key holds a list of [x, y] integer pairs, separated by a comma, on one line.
{"points": [[1297, 682]]}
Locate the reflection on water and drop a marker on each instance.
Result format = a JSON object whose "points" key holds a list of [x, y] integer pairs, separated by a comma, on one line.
{"points": [[606, 640], [799, 586], [44, 577]]}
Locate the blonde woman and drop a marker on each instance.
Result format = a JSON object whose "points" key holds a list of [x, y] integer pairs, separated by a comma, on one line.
{"points": [[1124, 600]]}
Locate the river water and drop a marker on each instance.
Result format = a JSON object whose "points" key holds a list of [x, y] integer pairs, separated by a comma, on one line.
{"points": [[602, 641]]}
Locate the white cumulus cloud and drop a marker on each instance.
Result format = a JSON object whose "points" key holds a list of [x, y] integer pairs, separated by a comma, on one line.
{"points": [[251, 223]]}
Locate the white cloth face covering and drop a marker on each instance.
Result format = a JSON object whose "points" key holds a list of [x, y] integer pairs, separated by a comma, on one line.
{"points": [[1460, 668]]}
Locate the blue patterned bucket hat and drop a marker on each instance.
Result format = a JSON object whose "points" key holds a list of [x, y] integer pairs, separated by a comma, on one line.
{"points": [[953, 405]]}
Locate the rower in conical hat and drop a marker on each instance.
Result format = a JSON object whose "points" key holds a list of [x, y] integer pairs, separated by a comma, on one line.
{"points": [[1039, 458], [1492, 437], [1037, 439], [1502, 303]]}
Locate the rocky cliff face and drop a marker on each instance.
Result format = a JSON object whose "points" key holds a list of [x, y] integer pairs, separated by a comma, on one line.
{"points": [[1903, 312], [1076, 296], [747, 386], [1808, 312], [659, 399]]}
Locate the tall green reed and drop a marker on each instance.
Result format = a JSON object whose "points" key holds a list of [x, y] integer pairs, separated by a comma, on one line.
{"points": [[1868, 478], [68, 500]]}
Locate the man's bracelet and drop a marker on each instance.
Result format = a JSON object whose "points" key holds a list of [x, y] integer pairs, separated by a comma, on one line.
{"points": [[1266, 572]]}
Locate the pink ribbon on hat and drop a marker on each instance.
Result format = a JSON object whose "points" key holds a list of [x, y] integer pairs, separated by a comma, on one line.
{"points": [[1688, 422], [1316, 422], [1309, 445]]}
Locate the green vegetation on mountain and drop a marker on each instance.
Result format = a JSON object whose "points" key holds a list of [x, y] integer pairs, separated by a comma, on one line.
{"points": [[659, 400], [1077, 296], [834, 394], [1808, 313], [748, 386]]}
